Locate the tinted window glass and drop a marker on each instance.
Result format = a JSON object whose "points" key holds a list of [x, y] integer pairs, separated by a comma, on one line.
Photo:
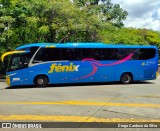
{"points": [[33, 49], [70, 54], [47, 54], [145, 54], [26, 57], [120, 53], [91, 53], [55, 54], [109, 54]]}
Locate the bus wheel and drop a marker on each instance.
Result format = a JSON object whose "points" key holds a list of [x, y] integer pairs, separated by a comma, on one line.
{"points": [[126, 78], [41, 81]]}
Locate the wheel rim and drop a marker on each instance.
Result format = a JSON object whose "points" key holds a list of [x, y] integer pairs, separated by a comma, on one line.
{"points": [[40, 81], [126, 78]]}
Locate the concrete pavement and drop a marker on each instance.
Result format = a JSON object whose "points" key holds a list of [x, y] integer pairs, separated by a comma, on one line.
{"points": [[105, 102]]}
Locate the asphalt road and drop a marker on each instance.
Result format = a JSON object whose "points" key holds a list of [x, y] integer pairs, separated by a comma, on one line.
{"points": [[105, 102]]}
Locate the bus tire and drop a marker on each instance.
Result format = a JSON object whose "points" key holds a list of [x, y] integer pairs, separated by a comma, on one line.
{"points": [[126, 78], [41, 81]]}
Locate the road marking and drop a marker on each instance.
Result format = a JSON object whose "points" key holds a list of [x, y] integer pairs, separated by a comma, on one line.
{"points": [[70, 118], [83, 103]]}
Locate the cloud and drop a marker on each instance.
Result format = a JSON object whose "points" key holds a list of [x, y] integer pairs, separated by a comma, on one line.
{"points": [[141, 13], [156, 14]]}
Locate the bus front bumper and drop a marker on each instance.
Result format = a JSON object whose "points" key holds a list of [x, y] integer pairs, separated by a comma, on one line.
{"points": [[157, 74], [8, 80]]}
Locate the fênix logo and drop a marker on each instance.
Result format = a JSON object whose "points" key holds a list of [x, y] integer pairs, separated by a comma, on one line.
{"points": [[63, 68]]}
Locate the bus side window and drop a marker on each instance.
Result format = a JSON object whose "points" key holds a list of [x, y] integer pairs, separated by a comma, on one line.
{"points": [[147, 54], [109, 54], [124, 52], [47, 54], [70, 54], [91, 53]]}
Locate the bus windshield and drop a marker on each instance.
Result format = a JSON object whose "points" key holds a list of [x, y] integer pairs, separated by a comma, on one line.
{"points": [[19, 61]]}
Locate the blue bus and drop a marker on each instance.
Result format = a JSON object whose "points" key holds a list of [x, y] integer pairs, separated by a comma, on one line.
{"points": [[41, 64]]}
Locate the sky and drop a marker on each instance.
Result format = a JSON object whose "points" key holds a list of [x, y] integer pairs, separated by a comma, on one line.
{"points": [[141, 13]]}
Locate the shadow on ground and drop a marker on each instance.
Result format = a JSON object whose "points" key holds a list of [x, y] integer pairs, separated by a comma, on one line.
{"points": [[78, 84]]}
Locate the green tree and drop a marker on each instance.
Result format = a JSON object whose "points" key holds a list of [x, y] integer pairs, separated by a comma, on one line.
{"points": [[105, 9], [153, 38], [45, 21], [130, 36]]}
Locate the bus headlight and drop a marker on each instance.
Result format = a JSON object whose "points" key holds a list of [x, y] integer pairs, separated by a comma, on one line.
{"points": [[8, 80]]}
